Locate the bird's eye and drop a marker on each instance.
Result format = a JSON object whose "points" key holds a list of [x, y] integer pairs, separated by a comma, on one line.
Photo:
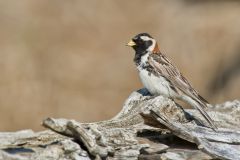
{"points": [[140, 41]]}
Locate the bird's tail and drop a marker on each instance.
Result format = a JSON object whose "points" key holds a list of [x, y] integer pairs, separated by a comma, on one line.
{"points": [[199, 105]]}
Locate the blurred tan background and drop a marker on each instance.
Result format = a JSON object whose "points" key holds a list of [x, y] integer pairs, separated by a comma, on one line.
{"points": [[68, 59]]}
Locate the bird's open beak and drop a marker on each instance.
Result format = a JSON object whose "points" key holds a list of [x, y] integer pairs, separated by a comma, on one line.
{"points": [[131, 43]]}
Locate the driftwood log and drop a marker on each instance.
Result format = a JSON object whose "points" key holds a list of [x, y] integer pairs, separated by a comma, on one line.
{"points": [[146, 128]]}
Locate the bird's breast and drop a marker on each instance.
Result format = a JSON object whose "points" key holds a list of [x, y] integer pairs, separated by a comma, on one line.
{"points": [[156, 85]]}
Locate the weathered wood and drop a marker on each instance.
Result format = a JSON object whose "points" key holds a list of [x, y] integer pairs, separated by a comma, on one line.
{"points": [[146, 128], [27, 145], [223, 143]]}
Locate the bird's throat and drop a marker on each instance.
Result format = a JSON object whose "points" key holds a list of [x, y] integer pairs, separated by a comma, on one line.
{"points": [[138, 57]]}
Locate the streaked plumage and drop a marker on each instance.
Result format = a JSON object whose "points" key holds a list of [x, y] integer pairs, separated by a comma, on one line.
{"points": [[161, 77]]}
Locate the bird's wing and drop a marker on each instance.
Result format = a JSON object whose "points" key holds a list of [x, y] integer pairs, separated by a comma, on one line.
{"points": [[166, 69], [179, 83]]}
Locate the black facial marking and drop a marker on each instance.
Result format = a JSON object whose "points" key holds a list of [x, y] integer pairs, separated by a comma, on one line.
{"points": [[141, 46]]}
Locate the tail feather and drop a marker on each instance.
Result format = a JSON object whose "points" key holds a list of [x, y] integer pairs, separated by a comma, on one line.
{"points": [[202, 99], [199, 105], [206, 116]]}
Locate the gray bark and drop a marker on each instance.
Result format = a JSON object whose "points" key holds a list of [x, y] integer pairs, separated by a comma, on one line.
{"points": [[146, 128]]}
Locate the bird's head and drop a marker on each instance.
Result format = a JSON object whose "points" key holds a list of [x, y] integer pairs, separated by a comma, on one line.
{"points": [[143, 43]]}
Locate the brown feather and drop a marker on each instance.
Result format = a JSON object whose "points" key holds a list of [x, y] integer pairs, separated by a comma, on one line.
{"points": [[156, 49]]}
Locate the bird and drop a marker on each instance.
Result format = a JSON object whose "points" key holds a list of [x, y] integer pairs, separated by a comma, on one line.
{"points": [[161, 77]]}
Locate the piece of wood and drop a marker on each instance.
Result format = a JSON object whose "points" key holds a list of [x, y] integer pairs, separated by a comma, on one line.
{"points": [[147, 128], [28, 145]]}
